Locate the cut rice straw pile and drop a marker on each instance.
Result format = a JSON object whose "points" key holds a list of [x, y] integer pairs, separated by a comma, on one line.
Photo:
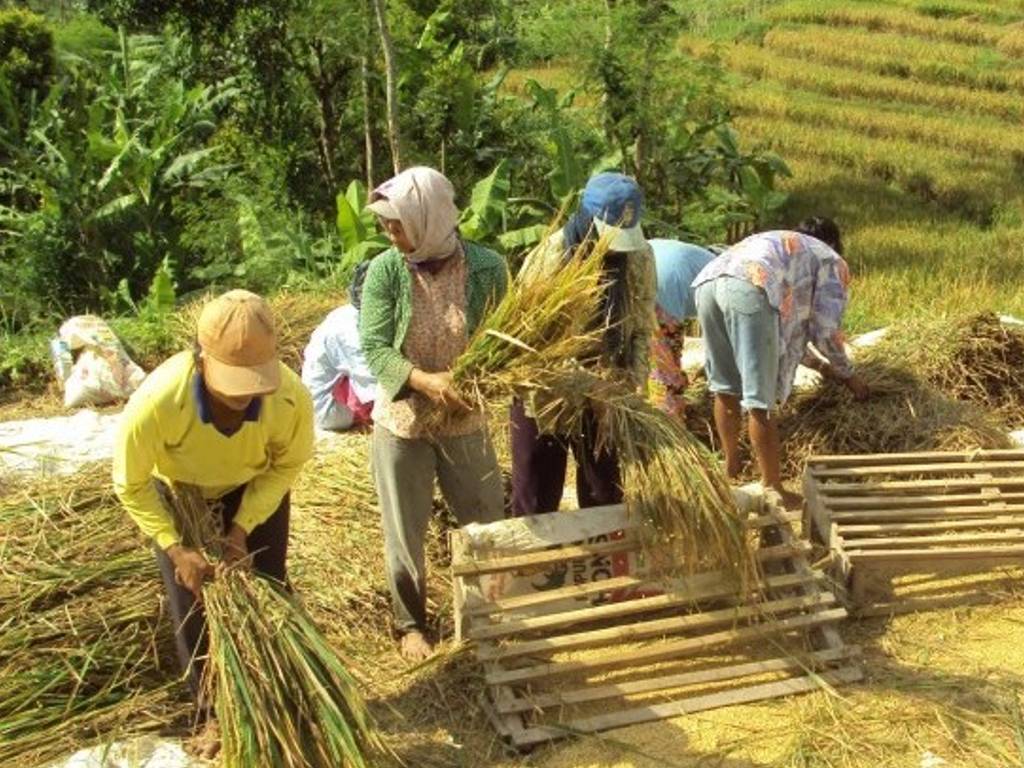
{"points": [[282, 695], [81, 644], [929, 392], [541, 343], [974, 358]]}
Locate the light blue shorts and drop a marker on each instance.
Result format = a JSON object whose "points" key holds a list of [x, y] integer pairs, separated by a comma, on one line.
{"points": [[741, 341]]}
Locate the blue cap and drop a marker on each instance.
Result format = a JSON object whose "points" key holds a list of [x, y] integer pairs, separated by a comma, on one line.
{"points": [[614, 198]]}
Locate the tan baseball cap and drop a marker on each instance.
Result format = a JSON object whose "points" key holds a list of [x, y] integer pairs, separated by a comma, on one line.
{"points": [[236, 335]]}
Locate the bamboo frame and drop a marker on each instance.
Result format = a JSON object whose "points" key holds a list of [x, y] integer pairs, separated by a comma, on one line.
{"points": [[930, 513], [576, 659]]}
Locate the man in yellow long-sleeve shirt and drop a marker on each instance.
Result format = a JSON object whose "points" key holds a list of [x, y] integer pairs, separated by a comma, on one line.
{"points": [[230, 418]]}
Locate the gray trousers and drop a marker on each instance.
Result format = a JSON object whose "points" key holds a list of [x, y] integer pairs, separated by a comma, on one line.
{"points": [[404, 470]]}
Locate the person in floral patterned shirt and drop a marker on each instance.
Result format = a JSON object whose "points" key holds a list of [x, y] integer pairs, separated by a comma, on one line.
{"points": [[760, 304]]}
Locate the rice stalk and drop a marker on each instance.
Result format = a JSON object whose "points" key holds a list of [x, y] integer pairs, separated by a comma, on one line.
{"points": [[539, 325], [671, 483], [973, 358], [296, 315], [903, 414], [282, 695]]}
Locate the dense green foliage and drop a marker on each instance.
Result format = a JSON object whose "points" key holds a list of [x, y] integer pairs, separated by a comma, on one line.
{"points": [[234, 143]]}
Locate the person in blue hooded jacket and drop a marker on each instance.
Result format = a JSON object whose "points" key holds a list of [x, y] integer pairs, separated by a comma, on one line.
{"points": [[611, 206]]}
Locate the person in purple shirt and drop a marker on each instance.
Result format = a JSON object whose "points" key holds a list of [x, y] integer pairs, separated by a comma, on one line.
{"points": [[760, 304]]}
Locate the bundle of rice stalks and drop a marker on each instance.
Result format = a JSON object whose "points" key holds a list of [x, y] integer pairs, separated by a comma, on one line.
{"points": [[80, 638], [282, 695], [671, 483], [904, 413], [539, 326], [296, 315], [541, 343], [974, 358]]}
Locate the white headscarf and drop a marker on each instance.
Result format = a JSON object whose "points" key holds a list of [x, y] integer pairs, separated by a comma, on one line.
{"points": [[424, 201]]}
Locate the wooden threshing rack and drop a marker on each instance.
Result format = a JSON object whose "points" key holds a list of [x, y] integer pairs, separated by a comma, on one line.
{"points": [[576, 633], [934, 514]]}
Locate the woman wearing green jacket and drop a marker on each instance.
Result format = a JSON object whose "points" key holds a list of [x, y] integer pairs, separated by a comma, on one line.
{"points": [[421, 301]]}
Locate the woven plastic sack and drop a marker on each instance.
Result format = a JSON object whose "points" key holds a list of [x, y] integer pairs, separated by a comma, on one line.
{"points": [[102, 373]]}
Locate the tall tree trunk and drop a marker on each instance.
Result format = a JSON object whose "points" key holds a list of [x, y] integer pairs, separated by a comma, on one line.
{"points": [[323, 85], [609, 7], [364, 75], [391, 85]]}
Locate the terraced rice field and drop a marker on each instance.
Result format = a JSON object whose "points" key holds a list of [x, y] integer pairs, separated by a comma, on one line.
{"points": [[904, 120]]}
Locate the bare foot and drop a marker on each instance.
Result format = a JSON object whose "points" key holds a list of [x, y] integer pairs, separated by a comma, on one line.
{"points": [[206, 744], [415, 647]]}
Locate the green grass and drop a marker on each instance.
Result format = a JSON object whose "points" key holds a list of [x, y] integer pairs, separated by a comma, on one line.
{"points": [[884, 17], [977, 138], [839, 81], [898, 56]]}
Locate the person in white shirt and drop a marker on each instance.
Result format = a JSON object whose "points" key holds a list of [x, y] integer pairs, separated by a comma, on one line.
{"points": [[334, 369]]}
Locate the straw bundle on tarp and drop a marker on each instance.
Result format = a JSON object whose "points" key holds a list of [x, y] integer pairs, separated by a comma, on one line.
{"points": [[904, 413], [282, 695], [81, 643], [540, 343]]}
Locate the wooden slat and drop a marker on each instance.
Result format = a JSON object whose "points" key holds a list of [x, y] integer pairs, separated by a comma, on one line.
{"points": [[639, 582], [665, 651], [704, 589], [817, 524], [824, 636], [541, 734], [919, 469], [949, 484], [888, 542], [853, 531], [982, 510], [592, 693], [894, 502], [854, 460], [930, 603], [482, 566], [950, 553], [645, 630], [573, 591], [486, 565]]}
